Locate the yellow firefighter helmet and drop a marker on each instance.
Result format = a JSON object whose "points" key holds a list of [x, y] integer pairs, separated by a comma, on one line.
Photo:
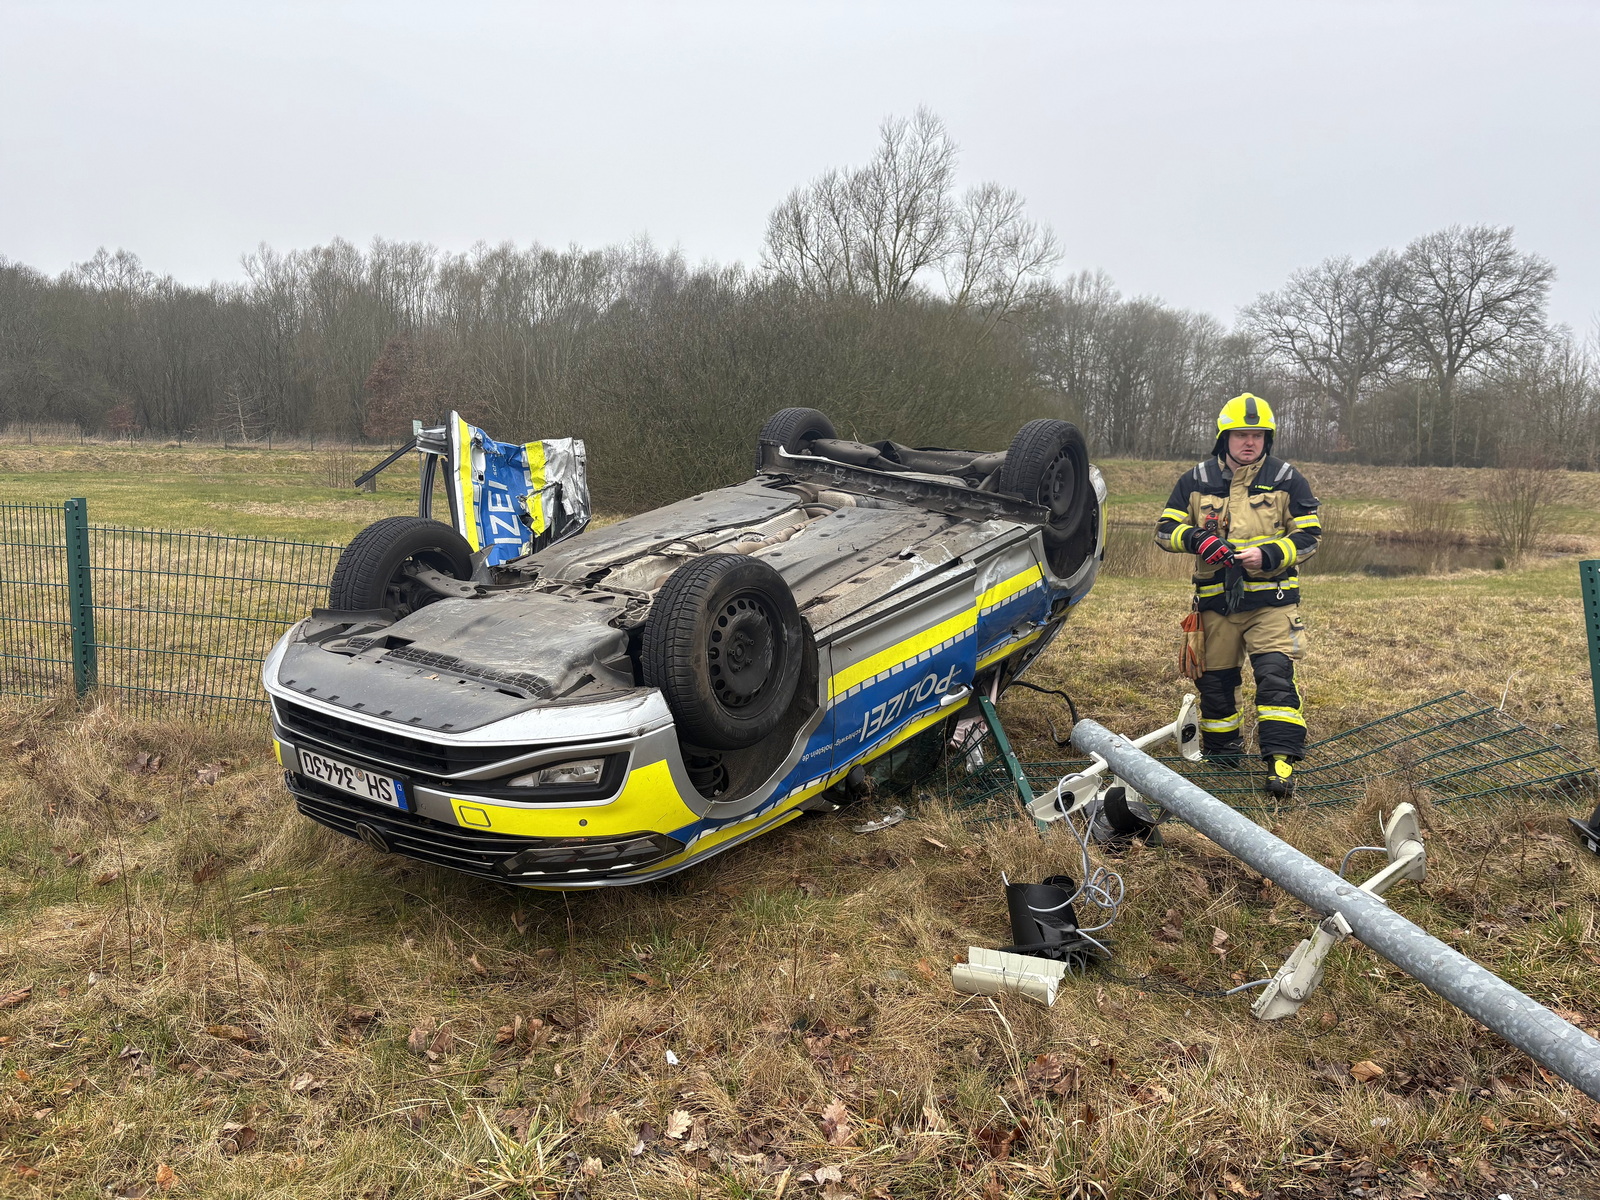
{"points": [[1244, 412]]}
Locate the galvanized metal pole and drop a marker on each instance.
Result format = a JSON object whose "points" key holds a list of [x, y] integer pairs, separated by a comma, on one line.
{"points": [[1523, 1022]]}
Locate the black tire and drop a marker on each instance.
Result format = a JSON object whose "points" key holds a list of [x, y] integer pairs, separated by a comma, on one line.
{"points": [[1048, 463], [793, 428], [368, 573], [723, 642]]}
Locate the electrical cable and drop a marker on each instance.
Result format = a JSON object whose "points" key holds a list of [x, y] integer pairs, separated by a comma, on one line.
{"points": [[1034, 687], [1358, 850], [1106, 889]]}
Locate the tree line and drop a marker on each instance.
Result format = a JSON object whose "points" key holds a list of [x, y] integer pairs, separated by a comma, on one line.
{"points": [[883, 296]]}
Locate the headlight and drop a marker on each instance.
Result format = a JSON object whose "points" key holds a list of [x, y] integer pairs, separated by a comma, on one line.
{"points": [[579, 772]]}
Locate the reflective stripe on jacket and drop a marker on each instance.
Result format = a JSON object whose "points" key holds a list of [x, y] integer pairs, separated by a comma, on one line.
{"points": [[1267, 504]]}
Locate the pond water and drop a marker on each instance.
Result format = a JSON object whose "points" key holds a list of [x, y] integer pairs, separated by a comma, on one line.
{"points": [[1130, 550]]}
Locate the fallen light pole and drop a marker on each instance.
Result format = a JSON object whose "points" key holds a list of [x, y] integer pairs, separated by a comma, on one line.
{"points": [[1480, 993]]}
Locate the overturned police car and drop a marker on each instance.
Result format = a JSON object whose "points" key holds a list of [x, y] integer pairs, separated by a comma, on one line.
{"points": [[528, 700]]}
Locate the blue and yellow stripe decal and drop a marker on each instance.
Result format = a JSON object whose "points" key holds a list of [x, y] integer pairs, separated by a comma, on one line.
{"points": [[891, 661], [534, 453], [466, 495]]}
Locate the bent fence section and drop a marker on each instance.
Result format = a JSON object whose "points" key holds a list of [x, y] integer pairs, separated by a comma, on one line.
{"points": [[164, 620]]}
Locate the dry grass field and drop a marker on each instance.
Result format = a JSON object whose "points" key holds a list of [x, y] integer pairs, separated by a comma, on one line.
{"points": [[204, 995]]}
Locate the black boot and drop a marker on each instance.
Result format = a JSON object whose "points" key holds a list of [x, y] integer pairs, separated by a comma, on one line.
{"points": [[1280, 776]]}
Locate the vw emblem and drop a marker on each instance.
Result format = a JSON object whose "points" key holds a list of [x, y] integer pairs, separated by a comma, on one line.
{"points": [[373, 838]]}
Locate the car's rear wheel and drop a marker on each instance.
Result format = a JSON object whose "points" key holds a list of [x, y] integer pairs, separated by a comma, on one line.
{"points": [[370, 572], [723, 642], [1048, 464], [794, 429]]}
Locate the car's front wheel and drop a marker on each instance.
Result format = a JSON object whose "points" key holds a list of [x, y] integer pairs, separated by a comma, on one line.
{"points": [[723, 641], [371, 571]]}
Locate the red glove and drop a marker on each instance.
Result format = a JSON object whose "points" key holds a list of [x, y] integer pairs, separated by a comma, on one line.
{"points": [[1214, 550]]}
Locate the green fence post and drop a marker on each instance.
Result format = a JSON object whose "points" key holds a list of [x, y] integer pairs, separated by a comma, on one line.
{"points": [[1589, 577], [1024, 789], [80, 596]]}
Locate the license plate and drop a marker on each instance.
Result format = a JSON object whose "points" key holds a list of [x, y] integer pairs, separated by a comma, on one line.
{"points": [[381, 789]]}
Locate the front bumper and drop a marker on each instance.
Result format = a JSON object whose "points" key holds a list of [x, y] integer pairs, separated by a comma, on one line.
{"points": [[500, 857], [458, 812]]}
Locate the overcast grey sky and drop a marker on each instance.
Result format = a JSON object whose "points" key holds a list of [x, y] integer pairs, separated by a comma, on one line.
{"points": [[1196, 151]]}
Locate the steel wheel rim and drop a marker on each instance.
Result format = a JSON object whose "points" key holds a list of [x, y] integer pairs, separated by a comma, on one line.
{"points": [[741, 649], [1060, 483]]}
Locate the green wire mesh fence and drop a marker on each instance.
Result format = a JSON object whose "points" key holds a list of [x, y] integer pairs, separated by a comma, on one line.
{"points": [[172, 621], [1455, 747], [35, 617]]}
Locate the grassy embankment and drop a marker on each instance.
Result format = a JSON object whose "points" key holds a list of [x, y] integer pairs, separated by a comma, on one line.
{"points": [[205, 995]]}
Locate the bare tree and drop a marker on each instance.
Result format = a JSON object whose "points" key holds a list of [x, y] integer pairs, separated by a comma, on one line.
{"points": [[1337, 324], [997, 256], [811, 239], [902, 199], [1518, 503], [1553, 387], [879, 231], [871, 231], [1468, 299]]}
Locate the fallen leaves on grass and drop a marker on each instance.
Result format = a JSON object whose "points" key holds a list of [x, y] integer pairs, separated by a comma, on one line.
{"points": [[517, 1121], [698, 1139], [997, 1140], [20, 996], [357, 1017], [307, 1082], [166, 1177], [145, 763], [1366, 1070], [1049, 1074], [208, 775], [428, 1043], [237, 1138], [506, 1035], [836, 1123], [232, 1033], [679, 1123]]}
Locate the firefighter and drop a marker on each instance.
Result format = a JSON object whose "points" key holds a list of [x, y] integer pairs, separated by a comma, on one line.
{"points": [[1249, 519]]}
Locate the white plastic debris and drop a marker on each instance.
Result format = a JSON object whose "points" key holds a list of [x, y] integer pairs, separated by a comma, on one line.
{"points": [[893, 817], [990, 972]]}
